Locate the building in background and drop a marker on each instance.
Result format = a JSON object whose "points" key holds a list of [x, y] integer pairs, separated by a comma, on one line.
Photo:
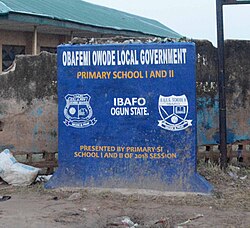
{"points": [[31, 26]]}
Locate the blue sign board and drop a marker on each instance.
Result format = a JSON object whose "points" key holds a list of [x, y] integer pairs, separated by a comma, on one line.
{"points": [[127, 117]]}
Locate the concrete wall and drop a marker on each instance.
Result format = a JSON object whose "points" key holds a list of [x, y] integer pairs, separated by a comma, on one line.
{"points": [[28, 105], [237, 59], [28, 99]]}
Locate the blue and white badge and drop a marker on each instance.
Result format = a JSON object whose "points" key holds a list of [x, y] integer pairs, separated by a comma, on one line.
{"points": [[78, 112], [173, 111]]}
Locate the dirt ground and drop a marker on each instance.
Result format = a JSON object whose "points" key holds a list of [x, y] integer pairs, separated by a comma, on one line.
{"points": [[228, 206]]}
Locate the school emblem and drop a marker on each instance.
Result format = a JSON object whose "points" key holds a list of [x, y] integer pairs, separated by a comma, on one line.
{"points": [[173, 111], [78, 112]]}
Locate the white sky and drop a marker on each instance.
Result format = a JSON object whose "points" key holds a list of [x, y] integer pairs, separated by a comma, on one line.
{"points": [[191, 18]]}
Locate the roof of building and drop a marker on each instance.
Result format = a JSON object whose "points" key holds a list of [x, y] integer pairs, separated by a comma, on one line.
{"points": [[68, 13]]}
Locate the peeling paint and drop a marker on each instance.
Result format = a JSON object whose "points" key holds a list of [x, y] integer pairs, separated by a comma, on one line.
{"points": [[28, 103], [237, 59]]}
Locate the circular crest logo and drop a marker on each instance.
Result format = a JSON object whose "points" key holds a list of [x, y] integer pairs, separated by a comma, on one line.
{"points": [[77, 111], [173, 111]]}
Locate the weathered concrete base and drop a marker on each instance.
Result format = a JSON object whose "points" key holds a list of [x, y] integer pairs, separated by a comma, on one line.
{"points": [[66, 177], [129, 191]]}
